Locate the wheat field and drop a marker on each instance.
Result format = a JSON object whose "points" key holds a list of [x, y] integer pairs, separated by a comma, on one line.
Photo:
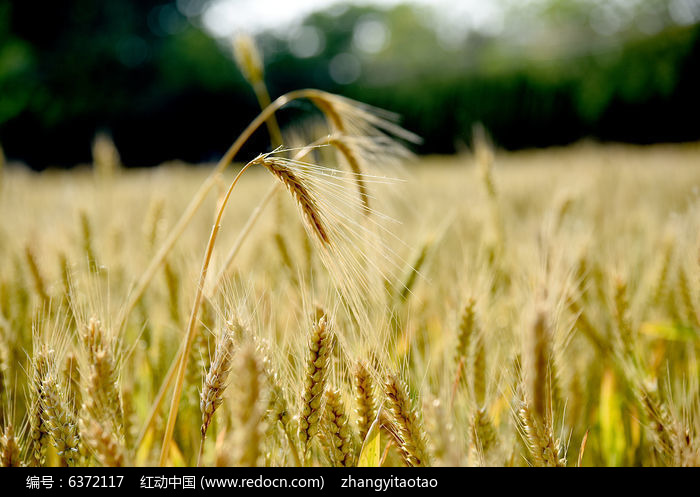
{"points": [[486, 309]]}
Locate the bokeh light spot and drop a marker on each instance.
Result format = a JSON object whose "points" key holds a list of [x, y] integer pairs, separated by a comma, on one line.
{"points": [[344, 68]]}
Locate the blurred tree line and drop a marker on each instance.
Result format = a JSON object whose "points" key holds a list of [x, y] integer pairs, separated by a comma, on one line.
{"points": [[148, 73]]}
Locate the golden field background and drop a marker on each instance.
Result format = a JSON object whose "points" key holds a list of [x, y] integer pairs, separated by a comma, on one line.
{"points": [[544, 311]]}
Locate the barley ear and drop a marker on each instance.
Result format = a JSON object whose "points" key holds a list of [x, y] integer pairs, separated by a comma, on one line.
{"points": [[337, 431], [215, 381], [9, 448], [249, 408], [413, 446], [103, 442], [320, 347], [365, 404], [60, 422]]}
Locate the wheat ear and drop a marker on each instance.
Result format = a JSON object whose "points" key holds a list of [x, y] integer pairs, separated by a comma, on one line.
{"points": [[103, 378], [60, 422], [365, 405], [38, 431], [9, 449], [71, 378], [299, 191], [315, 377], [483, 433], [544, 449], [200, 195], [413, 447], [216, 379], [337, 431], [103, 442], [353, 160], [249, 409]]}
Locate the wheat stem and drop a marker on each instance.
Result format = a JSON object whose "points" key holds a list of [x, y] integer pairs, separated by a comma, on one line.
{"points": [[191, 327]]}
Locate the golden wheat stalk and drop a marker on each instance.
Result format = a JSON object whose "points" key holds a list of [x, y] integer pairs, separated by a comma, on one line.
{"points": [[311, 214]]}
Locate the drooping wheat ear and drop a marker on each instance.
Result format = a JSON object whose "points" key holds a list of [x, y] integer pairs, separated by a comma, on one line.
{"points": [[105, 399], [71, 378], [544, 449], [86, 232], [249, 408], [365, 404], [354, 163], [320, 349], [413, 446], [38, 431], [37, 278], [337, 431], [334, 117], [103, 442], [483, 434], [60, 421], [9, 449], [215, 381], [300, 192]]}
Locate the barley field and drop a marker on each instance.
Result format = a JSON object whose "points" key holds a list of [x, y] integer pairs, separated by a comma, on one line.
{"points": [[532, 308]]}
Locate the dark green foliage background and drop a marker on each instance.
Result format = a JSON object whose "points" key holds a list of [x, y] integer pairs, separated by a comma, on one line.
{"points": [[70, 69]]}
